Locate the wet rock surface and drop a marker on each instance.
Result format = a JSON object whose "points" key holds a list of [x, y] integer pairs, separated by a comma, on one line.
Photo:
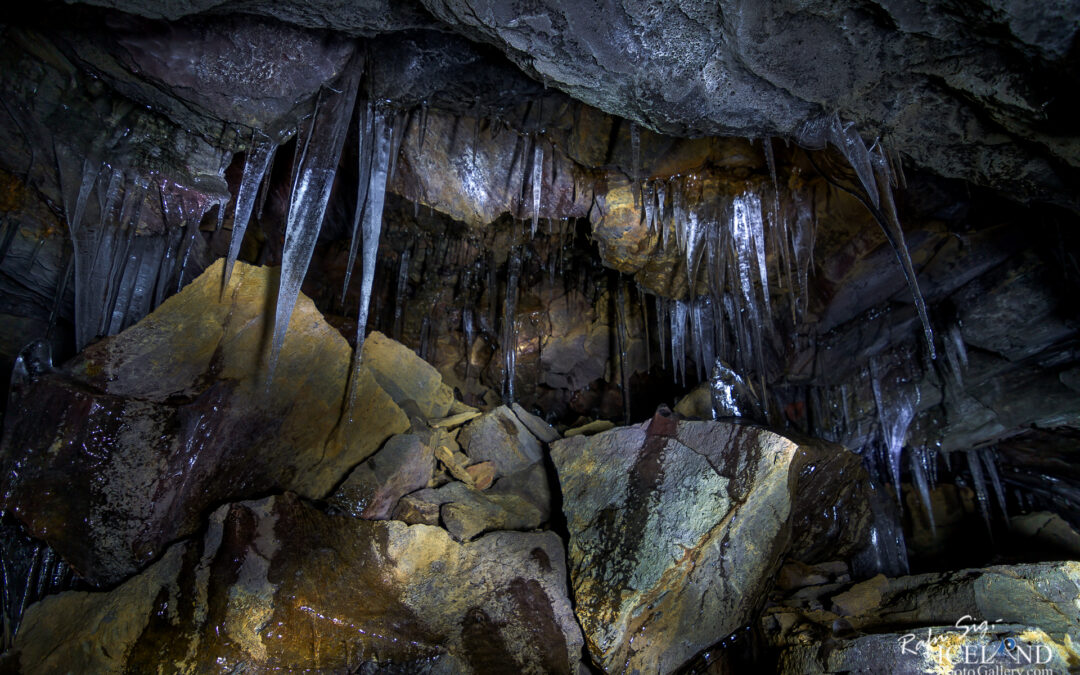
{"points": [[676, 526], [278, 584], [156, 425], [372, 490]]}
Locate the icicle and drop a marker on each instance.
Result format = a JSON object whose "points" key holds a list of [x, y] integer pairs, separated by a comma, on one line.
{"points": [[365, 150], [423, 125], [384, 149], [678, 340], [623, 336], [890, 224], [259, 158], [635, 149], [978, 483], [468, 328], [895, 414], [922, 485], [425, 338], [746, 218], [537, 180], [661, 328], [645, 328], [307, 203], [402, 287], [75, 195], [987, 455], [513, 273], [757, 232]]}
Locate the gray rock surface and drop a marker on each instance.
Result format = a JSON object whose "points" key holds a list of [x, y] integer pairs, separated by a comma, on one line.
{"points": [[677, 527], [403, 465], [500, 437]]}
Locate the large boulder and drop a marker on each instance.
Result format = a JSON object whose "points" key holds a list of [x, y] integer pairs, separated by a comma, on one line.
{"points": [[125, 448], [677, 528], [277, 585]]}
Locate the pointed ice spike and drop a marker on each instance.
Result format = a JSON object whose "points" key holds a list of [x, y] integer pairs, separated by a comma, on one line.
{"points": [[423, 125], [987, 455], [383, 149], [922, 485], [847, 140], [365, 149], [978, 483], [537, 180], [509, 342], [623, 336], [635, 149], [307, 203], [895, 413], [757, 231], [259, 158], [890, 224], [399, 295]]}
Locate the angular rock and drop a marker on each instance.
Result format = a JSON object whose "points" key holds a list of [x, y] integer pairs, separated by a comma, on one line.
{"points": [[276, 585], [536, 426], [482, 474], [373, 489], [677, 527], [517, 502], [419, 508], [406, 377], [500, 437], [145, 431]]}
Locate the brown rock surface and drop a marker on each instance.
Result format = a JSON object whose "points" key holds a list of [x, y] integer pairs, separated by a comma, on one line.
{"points": [[405, 376], [276, 585], [145, 431], [372, 490]]}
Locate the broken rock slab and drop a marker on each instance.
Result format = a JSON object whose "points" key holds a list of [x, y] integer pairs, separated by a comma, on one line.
{"points": [[126, 448], [500, 437], [521, 501], [403, 465], [678, 527], [406, 376], [277, 585]]}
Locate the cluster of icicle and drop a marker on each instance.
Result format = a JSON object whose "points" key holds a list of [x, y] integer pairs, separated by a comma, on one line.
{"points": [[122, 266]]}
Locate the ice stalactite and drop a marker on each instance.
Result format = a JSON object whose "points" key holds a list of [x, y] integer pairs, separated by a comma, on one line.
{"points": [[509, 331], [896, 404], [400, 291], [77, 180], [314, 171], [988, 457], [635, 150], [259, 158], [978, 483], [890, 224], [956, 354], [383, 148], [874, 172], [468, 330], [732, 396], [537, 180], [922, 485], [623, 340]]}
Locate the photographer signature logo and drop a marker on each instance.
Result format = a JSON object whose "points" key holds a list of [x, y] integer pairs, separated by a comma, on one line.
{"points": [[970, 649]]}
